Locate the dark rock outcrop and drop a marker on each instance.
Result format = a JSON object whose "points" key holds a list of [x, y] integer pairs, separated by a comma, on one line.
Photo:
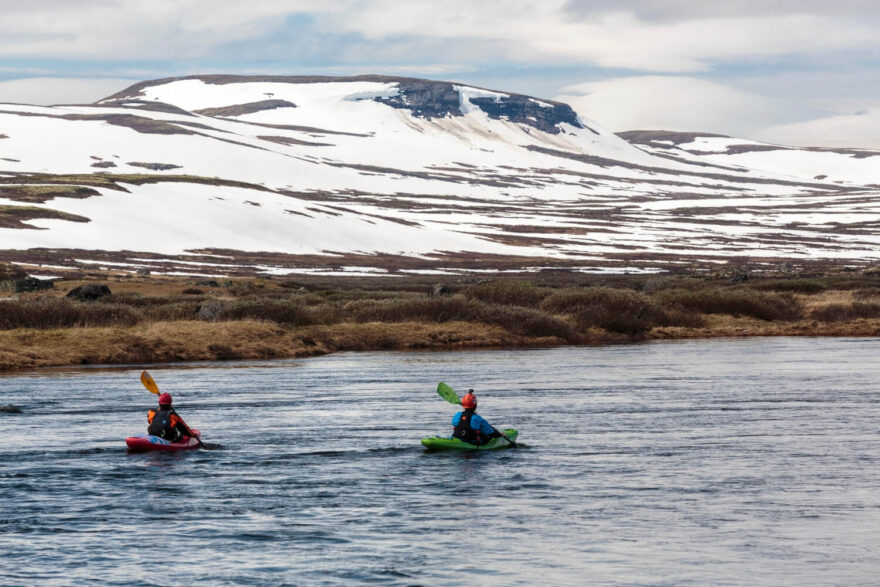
{"points": [[89, 292], [430, 99], [154, 166], [29, 284], [426, 99], [543, 115]]}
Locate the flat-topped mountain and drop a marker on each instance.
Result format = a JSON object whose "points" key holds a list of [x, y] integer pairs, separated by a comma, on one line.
{"points": [[278, 175]]}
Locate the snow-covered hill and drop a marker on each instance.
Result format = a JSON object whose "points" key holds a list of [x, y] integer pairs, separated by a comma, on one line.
{"points": [[372, 174]]}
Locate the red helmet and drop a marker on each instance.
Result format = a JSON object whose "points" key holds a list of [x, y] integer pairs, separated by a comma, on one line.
{"points": [[165, 399], [469, 401]]}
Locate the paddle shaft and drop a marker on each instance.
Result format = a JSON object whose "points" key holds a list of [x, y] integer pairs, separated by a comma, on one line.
{"points": [[188, 429], [512, 443]]}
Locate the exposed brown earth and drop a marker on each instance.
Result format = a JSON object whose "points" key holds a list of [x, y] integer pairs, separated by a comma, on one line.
{"points": [[17, 216], [40, 194], [249, 108]]}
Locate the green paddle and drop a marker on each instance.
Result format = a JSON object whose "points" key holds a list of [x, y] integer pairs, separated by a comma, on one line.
{"points": [[151, 386], [449, 395]]}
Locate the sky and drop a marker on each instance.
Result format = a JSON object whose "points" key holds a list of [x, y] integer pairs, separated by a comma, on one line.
{"points": [[798, 72]]}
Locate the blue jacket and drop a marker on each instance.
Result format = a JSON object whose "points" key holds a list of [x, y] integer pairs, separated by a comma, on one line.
{"points": [[477, 423]]}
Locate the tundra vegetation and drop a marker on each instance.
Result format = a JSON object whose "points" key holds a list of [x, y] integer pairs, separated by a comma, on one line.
{"points": [[156, 319]]}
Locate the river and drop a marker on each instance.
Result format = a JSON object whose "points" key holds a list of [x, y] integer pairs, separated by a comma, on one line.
{"points": [[724, 462]]}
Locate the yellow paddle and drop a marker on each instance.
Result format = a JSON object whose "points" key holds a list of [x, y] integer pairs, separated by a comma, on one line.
{"points": [[151, 386]]}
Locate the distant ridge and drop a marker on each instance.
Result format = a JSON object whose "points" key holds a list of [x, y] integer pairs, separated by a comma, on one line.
{"points": [[386, 175]]}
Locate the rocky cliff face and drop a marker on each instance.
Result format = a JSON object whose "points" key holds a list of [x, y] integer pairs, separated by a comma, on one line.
{"points": [[427, 99], [431, 99]]}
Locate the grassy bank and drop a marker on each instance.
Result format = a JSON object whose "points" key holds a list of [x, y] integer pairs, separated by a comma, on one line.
{"points": [[160, 320]]}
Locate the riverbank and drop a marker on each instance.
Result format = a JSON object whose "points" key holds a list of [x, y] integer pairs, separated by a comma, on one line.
{"points": [[175, 320]]}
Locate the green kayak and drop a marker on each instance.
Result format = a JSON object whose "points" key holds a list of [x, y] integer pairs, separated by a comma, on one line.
{"points": [[448, 443]]}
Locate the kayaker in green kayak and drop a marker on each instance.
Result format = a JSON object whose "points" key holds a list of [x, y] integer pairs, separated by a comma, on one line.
{"points": [[471, 427]]}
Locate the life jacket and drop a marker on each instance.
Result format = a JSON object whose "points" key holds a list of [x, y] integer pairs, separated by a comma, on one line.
{"points": [[463, 430], [164, 424]]}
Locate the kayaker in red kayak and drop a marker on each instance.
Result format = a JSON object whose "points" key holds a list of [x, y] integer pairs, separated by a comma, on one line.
{"points": [[164, 423], [469, 426]]}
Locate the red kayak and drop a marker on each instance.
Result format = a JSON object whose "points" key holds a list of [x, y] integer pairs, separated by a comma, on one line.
{"points": [[150, 442]]}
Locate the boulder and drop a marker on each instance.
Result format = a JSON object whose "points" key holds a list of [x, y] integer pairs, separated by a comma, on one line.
{"points": [[210, 310], [89, 292], [441, 290], [29, 284], [9, 274]]}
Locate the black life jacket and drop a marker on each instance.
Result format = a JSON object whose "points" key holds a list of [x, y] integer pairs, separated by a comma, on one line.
{"points": [[161, 426], [464, 431]]}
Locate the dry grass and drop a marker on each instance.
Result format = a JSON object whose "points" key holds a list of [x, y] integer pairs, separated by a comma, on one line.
{"points": [[210, 341], [168, 320]]}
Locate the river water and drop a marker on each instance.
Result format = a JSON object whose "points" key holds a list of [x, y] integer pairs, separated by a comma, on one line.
{"points": [[724, 462]]}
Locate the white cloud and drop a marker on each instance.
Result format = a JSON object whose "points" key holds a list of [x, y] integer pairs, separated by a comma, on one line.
{"points": [[683, 103], [669, 103], [45, 91], [612, 35], [127, 29], [861, 129], [546, 31]]}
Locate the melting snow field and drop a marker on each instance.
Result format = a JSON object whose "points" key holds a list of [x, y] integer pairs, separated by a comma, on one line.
{"points": [[352, 166]]}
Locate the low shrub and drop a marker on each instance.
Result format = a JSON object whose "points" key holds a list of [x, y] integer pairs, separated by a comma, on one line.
{"points": [[867, 293], [142, 301], [801, 286], [172, 311], [676, 317], [616, 310], [508, 292], [522, 321], [54, 312], [279, 311], [574, 299], [424, 309], [845, 312], [740, 301], [526, 322]]}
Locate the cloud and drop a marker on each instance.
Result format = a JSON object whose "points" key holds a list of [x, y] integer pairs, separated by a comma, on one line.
{"points": [[861, 129], [670, 103], [628, 35], [45, 91], [612, 36], [691, 10], [682, 103], [100, 29]]}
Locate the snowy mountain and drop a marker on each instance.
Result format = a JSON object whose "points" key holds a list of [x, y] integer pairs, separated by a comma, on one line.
{"points": [[226, 175]]}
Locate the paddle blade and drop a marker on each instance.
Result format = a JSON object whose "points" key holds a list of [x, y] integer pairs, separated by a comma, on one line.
{"points": [[148, 382], [448, 394]]}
